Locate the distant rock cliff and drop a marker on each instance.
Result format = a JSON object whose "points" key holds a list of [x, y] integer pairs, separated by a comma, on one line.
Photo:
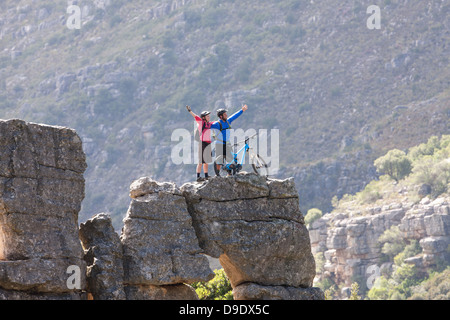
{"points": [[350, 243]]}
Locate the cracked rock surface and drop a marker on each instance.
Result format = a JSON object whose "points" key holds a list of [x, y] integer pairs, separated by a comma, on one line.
{"points": [[252, 224], [255, 227], [41, 189]]}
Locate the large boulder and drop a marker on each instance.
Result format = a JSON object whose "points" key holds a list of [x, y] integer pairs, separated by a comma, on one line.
{"points": [[255, 227], [103, 254], [159, 242], [41, 189]]}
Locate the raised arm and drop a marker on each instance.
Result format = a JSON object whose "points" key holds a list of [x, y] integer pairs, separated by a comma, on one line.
{"points": [[190, 111], [237, 114]]}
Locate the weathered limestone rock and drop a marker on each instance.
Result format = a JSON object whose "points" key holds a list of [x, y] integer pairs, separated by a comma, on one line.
{"points": [[252, 224], [103, 254], [351, 244], [254, 227], [159, 242], [38, 275], [25, 295], [253, 291], [169, 292], [41, 189]]}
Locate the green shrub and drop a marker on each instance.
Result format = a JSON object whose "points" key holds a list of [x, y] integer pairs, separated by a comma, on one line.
{"points": [[424, 149], [410, 250], [219, 288], [432, 164], [436, 287], [312, 215], [354, 292], [395, 164], [392, 242], [380, 290], [327, 286], [399, 287], [371, 193], [434, 172], [319, 258]]}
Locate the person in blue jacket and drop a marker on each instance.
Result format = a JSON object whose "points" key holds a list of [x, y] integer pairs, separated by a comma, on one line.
{"points": [[223, 125]]}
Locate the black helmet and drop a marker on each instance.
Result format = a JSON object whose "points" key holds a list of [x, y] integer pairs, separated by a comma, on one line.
{"points": [[221, 112], [204, 113]]}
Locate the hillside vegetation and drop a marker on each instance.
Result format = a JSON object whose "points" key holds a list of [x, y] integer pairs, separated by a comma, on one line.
{"points": [[424, 170], [413, 185], [337, 91]]}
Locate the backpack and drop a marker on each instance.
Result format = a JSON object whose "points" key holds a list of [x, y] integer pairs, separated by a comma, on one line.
{"points": [[222, 129]]}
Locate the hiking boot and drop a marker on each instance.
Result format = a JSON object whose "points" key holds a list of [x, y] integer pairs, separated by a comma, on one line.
{"points": [[200, 179]]}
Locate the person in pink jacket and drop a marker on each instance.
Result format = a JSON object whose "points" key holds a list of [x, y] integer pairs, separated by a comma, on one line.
{"points": [[204, 150]]}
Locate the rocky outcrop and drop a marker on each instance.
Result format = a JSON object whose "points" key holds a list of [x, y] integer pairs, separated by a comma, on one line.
{"points": [[159, 242], [429, 222], [41, 189], [253, 225], [255, 228], [350, 243], [253, 291], [104, 258]]}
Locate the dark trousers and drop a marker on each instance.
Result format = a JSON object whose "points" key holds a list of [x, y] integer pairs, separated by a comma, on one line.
{"points": [[204, 152], [224, 150]]}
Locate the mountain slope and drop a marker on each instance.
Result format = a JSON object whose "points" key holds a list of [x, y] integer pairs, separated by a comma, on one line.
{"points": [[338, 92]]}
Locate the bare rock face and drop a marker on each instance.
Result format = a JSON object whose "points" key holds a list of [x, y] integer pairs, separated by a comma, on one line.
{"points": [[252, 224], [253, 291], [350, 245], [255, 227], [160, 246], [41, 189], [103, 254], [168, 292]]}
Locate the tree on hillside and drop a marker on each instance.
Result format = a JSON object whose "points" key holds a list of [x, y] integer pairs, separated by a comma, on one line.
{"points": [[395, 164]]}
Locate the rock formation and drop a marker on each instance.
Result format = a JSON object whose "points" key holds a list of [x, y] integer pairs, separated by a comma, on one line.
{"points": [[255, 228], [159, 242], [350, 243], [252, 224], [42, 186], [104, 258]]}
